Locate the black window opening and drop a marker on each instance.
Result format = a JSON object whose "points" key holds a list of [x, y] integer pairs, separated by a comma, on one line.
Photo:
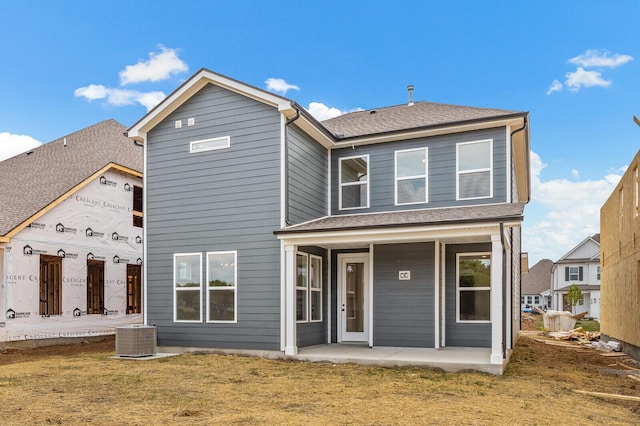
{"points": [[134, 289], [137, 206], [95, 287]]}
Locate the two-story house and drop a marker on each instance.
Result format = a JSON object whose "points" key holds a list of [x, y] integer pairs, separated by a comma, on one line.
{"points": [[267, 230], [536, 286], [620, 227], [580, 266], [71, 236]]}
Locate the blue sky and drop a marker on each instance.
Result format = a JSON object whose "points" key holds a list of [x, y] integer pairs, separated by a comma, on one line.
{"points": [[572, 64]]}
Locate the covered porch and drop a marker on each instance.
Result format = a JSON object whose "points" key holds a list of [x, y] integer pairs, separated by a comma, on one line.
{"points": [[413, 309]]}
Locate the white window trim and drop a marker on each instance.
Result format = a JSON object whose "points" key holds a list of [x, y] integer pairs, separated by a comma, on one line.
{"points": [[317, 290], [177, 289], [235, 288], [305, 289], [489, 169], [340, 184], [577, 278], [226, 139], [459, 289], [425, 176]]}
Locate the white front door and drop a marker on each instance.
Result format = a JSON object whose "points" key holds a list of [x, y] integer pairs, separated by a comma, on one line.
{"points": [[353, 289]]}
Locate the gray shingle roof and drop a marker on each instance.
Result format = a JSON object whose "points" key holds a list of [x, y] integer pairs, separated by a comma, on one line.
{"points": [[30, 182], [538, 279], [466, 214], [405, 117]]}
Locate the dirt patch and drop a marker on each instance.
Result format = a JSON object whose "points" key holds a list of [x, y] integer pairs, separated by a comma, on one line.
{"points": [[82, 384]]}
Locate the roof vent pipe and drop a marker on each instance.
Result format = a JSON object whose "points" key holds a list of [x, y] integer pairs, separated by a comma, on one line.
{"points": [[64, 142], [410, 89]]}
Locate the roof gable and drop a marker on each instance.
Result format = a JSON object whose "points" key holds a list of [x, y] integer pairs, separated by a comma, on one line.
{"points": [[192, 86], [30, 183], [587, 249]]}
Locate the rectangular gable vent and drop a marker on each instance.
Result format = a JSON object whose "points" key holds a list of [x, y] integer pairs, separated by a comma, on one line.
{"points": [[209, 144]]}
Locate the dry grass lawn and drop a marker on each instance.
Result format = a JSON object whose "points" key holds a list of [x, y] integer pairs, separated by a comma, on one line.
{"points": [[80, 384]]}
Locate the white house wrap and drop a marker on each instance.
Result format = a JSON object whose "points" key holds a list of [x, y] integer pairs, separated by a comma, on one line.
{"points": [[93, 225]]}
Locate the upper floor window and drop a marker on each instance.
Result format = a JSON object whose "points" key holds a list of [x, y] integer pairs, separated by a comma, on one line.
{"points": [[137, 206], [636, 201], [411, 176], [474, 170], [354, 182], [573, 273]]}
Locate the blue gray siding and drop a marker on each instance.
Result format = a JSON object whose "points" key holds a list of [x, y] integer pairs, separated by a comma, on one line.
{"points": [[442, 171], [403, 311], [462, 334], [308, 170], [220, 200], [315, 333]]}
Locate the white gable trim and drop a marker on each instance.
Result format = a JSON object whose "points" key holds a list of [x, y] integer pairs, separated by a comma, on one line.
{"points": [[192, 86]]}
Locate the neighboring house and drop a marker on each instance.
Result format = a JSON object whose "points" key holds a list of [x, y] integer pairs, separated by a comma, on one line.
{"points": [[580, 266], [620, 293], [394, 227], [536, 286], [71, 236]]}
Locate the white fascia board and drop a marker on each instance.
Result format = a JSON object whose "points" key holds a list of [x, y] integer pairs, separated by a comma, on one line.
{"points": [[386, 235], [192, 86]]}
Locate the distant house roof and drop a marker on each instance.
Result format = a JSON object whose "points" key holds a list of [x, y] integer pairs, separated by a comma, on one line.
{"points": [[593, 257], [405, 117], [31, 181], [436, 216], [538, 279]]}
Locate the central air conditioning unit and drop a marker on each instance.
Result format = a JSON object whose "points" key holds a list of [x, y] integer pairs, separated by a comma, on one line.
{"points": [[135, 340]]}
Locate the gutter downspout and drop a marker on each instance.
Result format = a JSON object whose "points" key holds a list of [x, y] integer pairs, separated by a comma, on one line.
{"points": [[286, 164], [524, 126]]}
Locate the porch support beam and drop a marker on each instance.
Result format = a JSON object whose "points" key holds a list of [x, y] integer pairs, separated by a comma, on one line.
{"points": [[496, 299], [290, 344]]}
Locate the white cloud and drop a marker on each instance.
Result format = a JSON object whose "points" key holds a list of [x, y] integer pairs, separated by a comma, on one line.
{"points": [[160, 66], [567, 211], [581, 78], [599, 59], [120, 97], [322, 112], [12, 145], [575, 173], [279, 85], [556, 86], [91, 92]]}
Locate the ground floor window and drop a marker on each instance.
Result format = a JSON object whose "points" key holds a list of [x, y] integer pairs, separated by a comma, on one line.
{"points": [[308, 288], [134, 289], [221, 281], [50, 285], [302, 287], [95, 286], [473, 282], [187, 284]]}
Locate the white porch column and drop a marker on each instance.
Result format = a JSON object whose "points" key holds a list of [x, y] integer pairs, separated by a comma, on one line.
{"points": [[290, 345], [496, 299]]}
